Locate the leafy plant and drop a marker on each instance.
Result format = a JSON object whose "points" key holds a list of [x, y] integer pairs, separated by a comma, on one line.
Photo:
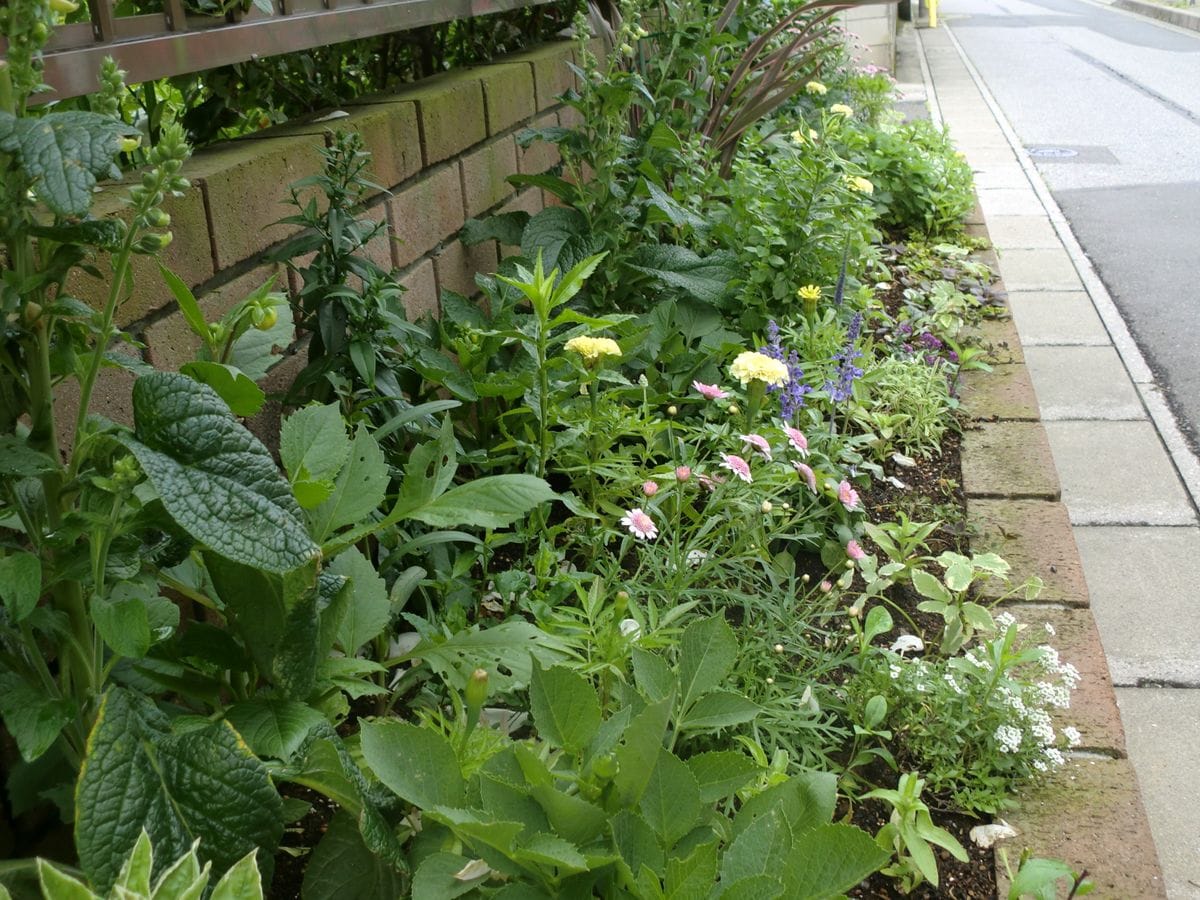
{"points": [[596, 804], [179, 879], [909, 834]]}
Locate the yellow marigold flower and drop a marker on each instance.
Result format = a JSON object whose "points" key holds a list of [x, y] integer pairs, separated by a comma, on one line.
{"points": [[750, 366], [592, 349], [815, 88], [860, 184], [809, 292], [841, 109]]}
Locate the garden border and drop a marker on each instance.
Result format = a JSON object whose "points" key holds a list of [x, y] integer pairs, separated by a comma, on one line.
{"points": [[1090, 812]]}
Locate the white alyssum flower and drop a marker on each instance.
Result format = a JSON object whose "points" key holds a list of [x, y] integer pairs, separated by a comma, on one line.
{"points": [[907, 643], [1054, 757], [1050, 629], [894, 671], [953, 684], [1056, 695], [1009, 738], [696, 557], [984, 836], [1074, 738], [1004, 620], [1070, 675]]}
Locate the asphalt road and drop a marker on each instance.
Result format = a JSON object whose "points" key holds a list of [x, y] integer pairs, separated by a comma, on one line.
{"points": [[1122, 91]]}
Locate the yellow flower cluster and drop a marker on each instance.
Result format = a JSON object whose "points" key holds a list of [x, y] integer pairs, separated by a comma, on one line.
{"points": [[750, 366], [809, 292], [815, 88], [860, 184], [592, 349], [841, 109]]}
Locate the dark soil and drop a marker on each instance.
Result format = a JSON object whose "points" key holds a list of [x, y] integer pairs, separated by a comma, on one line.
{"points": [[299, 839]]}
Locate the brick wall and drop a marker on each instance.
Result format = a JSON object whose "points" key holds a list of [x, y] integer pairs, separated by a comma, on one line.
{"points": [[442, 147]]}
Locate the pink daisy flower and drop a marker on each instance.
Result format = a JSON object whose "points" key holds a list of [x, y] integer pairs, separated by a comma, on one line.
{"points": [[737, 466], [807, 474], [854, 551], [848, 495], [640, 524], [711, 481], [709, 391], [797, 439], [759, 443]]}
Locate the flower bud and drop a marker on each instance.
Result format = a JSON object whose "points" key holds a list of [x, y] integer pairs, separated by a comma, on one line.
{"points": [[606, 767], [672, 410], [128, 145], [766, 506], [650, 488], [266, 318], [825, 586], [32, 312], [779, 648], [770, 680], [477, 688], [733, 409], [683, 473]]}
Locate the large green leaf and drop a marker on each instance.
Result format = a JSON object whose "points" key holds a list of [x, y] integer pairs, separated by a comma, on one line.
{"points": [[197, 785], [245, 398], [718, 709], [313, 446], [417, 764], [636, 842], [256, 351], [707, 651], [671, 802], [692, 878], [637, 754], [705, 278], [561, 234], [343, 868], [442, 876], [490, 502], [217, 481], [360, 487], [504, 650], [761, 849], [273, 726], [829, 860], [565, 707], [64, 153], [20, 583], [719, 773], [368, 608], [32, 718]]}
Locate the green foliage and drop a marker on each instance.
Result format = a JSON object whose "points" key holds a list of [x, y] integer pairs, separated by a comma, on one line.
{"points": [[140, 878], [595, 804], [910, 406], [910, 835], [921, 183]]}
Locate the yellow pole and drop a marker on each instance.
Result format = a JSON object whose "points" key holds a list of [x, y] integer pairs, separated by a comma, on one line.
{"points": [[933, 5]]}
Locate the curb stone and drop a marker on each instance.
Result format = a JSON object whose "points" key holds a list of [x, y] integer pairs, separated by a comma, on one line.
{"points": [[1090, 812]]}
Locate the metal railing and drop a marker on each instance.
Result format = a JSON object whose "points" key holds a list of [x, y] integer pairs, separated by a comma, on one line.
{"points": [[176, 42]]}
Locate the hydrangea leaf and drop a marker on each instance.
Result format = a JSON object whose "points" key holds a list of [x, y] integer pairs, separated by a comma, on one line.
{"points": [[202, 784], [216, 480], [827, 861], [64, 153]]}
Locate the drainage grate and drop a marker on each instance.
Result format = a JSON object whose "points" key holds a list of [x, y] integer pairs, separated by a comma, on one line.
{"points": [[1052, 152]]}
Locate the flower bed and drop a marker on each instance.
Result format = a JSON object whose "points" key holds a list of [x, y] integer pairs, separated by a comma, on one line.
{"points": [[641, 573]]}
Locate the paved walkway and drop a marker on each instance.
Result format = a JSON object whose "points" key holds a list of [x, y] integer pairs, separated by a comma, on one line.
{"points": [[1128, 480]]}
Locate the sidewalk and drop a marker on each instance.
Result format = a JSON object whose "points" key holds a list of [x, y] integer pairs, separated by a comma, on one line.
{"points": [[1124, 469]]}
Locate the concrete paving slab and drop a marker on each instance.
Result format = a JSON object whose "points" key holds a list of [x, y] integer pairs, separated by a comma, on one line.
{"points": [[1020, 232], [1036, 538], [1005, 393], [1057, 318], [1166, 755], [983, 158], [1002, 177], [1082, 383], [1009, 201], [1117, 473], [1039, 270], [1008, 459], [1142, 571]]}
